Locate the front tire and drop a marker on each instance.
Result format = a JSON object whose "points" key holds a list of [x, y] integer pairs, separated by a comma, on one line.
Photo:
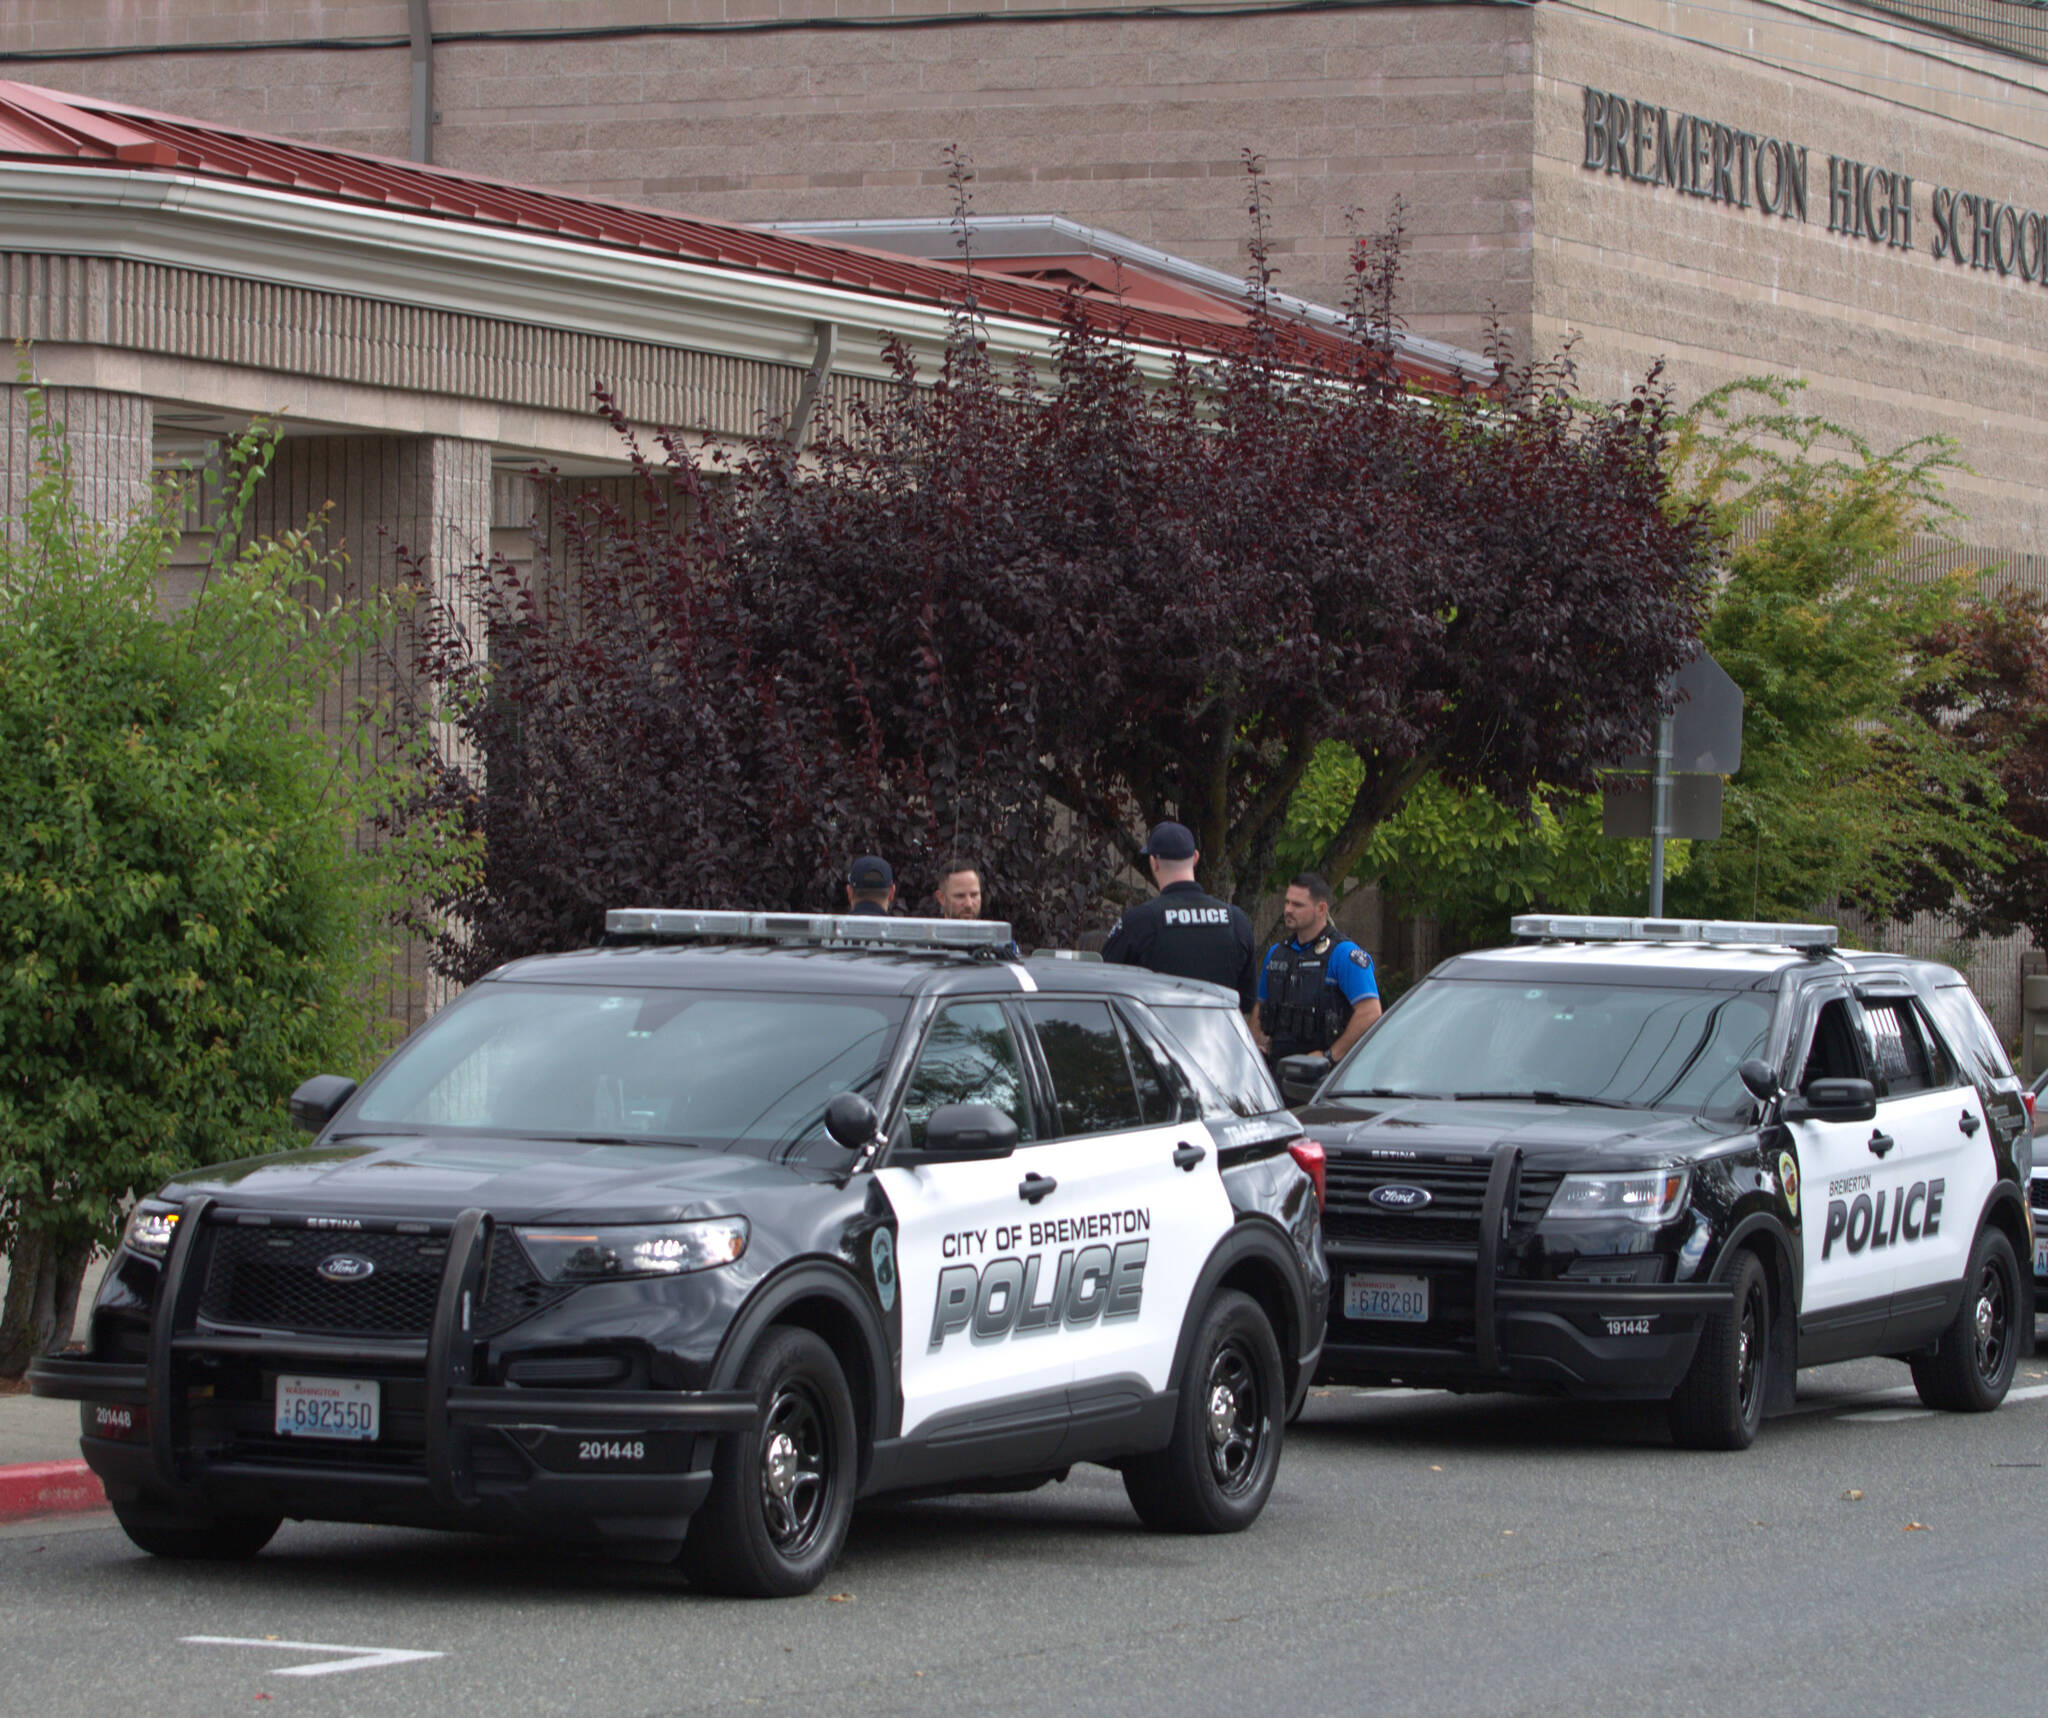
{"points": [[1720, 1405], [1971, 1367], [782, 1492], [210, 1538], [1216, 1473]]}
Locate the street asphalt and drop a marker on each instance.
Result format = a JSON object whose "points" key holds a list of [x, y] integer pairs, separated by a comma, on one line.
{"points": [[1422, 1553]]}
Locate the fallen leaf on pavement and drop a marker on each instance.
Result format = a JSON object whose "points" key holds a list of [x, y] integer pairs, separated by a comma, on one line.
{"points": [[838, 1598], [1918, 1527], [1436, 1467], [1852, 1497]]}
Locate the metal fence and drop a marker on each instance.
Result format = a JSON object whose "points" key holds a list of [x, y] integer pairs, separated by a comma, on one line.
{"points": [[2016, 27]]}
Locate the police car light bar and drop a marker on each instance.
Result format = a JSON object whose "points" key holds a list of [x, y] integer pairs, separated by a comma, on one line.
{"points": [[711, 925], [1553, 927]]}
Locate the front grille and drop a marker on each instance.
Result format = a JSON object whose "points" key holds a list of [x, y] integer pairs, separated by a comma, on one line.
{"points": [[269, 1279], [1457, 1192]]}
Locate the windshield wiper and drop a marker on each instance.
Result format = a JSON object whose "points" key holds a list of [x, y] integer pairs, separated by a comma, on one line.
{"points": [[1541, 1097], [1381, 1092]]}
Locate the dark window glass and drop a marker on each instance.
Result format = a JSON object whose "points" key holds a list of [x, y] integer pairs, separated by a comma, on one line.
{"points": [[1970, 1034], [1165, 1094], [1091, 1081], [969, 1057], [1219, 1044], [1832, 1054], [1896, 1049]]}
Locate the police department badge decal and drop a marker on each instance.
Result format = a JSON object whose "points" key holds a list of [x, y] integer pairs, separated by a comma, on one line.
{"points": [[1788, 1176], [882, 1252], [1360, 958]]}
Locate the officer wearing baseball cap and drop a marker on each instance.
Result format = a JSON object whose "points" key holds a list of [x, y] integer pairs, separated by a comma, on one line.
{"points": [[870, 886], [1186, 932]]}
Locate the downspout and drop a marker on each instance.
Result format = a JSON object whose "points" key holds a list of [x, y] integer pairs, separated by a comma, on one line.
{"points": [[422, 83]]}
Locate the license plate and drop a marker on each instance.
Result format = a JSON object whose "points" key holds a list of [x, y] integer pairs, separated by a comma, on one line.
{"points": [[1396, 1300], [2041, 1258], [343, 1408]]}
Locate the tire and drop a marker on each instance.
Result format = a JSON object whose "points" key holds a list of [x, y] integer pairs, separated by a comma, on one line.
{"points": [[1216, 1473], [215, 1538], [1972, 1365], [782, 1492], [1720, 1405]]}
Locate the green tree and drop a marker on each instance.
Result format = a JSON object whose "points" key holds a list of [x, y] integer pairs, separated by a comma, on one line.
{"points": [[189, 922]]}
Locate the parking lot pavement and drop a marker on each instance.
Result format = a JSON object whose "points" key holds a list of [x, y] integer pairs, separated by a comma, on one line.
{"points": [[1421, 1553]]}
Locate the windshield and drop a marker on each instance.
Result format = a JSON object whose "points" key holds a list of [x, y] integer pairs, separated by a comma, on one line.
{"points": [[734, 1071], [1624, 1045]]}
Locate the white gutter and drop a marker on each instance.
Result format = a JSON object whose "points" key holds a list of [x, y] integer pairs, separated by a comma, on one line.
{"points": [[513, 275]]}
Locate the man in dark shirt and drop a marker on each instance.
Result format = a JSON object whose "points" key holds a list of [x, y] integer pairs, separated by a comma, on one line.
{"points": [[1186, 932], [870, 886]]}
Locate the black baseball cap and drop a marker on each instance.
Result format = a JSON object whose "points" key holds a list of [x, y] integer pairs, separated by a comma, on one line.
{"points": [[870, 872], [1169, 841]]}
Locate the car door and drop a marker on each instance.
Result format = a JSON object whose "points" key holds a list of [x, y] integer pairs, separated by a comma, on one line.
{"points": [[960, 1236], [1847, 1290], [1140, 1203], [1936, 1176]]}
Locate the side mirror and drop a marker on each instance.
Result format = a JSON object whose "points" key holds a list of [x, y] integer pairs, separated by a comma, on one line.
{"points": [[851, 1121], [1833, 1100], [1761, 1079], [962, 1133], [1300, 1075], [314, 1104]]}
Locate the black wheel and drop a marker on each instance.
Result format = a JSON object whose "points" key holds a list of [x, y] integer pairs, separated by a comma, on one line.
{"points": [[1721, 1403], [782, 1492], [1216, 1473], [1971, 1367], [216, 1538]]}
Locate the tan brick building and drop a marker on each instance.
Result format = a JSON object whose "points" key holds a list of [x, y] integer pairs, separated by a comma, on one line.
{"points": [[1112, 115]]}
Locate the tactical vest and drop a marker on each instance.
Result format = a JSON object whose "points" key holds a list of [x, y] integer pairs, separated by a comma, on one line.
{"points": [[1303, 1011]]}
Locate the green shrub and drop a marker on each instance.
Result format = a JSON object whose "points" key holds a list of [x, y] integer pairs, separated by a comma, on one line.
{"points": [[190, 922]]}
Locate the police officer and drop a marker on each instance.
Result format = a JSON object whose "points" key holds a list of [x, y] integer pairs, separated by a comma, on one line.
{"points": [[1186, 932], [870, 886], [1317, 991]]}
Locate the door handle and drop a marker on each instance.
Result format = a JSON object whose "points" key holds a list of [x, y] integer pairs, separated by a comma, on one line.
{"points": [[1186, 1156], [1035, 1187], [1969, 1124], [1880, 1143]]}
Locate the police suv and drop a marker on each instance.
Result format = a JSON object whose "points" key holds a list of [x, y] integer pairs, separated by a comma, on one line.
{"points": [[682, 1244], [1676, 1160]]}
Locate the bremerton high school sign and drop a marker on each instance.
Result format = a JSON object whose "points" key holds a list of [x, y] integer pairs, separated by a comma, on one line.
{"points": [[1723, 163]]}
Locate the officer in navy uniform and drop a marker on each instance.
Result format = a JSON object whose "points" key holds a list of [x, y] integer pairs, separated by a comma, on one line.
{"points": [[1186, 932], [1317, 992], [870, 886]]}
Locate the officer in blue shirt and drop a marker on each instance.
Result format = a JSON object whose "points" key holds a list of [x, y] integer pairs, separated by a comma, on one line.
{"points": [[1317, 991]]}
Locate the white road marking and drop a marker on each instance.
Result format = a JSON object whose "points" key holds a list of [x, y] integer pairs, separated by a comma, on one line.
{"points": [[1879, 1416], [359, 1657]]}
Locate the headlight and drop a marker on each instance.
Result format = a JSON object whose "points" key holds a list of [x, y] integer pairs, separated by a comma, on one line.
{"points": [[150, 1227], [1648, 1196], [605, 1254]]}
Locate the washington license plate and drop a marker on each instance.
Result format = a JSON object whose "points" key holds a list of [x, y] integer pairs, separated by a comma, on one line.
{"points": [[1396, 1300], [344, 1408], [2041, 1258]]}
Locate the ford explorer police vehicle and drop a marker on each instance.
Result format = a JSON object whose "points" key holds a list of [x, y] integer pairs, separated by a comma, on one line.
{"points": [[682, 1244], [1678, 1160]]}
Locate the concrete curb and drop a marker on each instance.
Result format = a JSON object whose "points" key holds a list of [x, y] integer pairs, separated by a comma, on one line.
{"points": [[48, 1488]]}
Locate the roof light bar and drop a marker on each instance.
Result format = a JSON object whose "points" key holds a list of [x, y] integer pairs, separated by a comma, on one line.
{"points": [[713, 925], [1556, 927]]}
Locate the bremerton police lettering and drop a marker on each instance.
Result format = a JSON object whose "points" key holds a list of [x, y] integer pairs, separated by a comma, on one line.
{"points": [[1002, 1298], [1915, 1215]]}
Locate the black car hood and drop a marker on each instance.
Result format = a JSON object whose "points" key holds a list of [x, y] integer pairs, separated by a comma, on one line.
{"points": [[516, 1180], [1438, 1127]]}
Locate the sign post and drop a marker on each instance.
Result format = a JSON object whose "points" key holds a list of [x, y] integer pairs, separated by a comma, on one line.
{"points": [[1698, 743]]}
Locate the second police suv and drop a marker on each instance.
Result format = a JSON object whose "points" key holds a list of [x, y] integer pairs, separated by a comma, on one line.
{"points": [[682, 1244], [1677, 1160]]}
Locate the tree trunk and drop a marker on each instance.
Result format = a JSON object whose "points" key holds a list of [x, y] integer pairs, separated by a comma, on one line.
{"points": [[43, 1278]]}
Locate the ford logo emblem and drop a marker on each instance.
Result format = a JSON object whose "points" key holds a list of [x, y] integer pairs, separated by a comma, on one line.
{"points": [[1399, 1198], [350, 1268]]}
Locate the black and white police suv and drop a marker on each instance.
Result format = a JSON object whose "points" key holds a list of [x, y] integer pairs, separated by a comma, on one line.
{"points": [[1665, 1159], [682, 1244]]}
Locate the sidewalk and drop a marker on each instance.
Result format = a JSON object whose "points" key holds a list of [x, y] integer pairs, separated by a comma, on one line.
{"points": [[40, 1470]]}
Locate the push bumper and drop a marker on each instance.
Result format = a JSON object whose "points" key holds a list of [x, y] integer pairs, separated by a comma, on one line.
{"points": [[618, 1466]]}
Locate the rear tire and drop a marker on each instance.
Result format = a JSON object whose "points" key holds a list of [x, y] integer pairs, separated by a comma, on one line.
{"points": [[1216, 1473], [782, 1491], [213, 1538], [1720, 1405], [1971, 1367]]}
